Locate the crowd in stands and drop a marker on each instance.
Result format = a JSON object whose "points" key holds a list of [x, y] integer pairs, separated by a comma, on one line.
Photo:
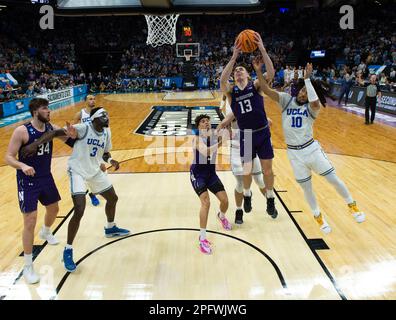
{"points": [[31, 55]]}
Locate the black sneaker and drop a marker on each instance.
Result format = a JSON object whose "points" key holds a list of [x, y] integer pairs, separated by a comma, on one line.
{"points": [[239, 216], [247, 203], [271, 210]]}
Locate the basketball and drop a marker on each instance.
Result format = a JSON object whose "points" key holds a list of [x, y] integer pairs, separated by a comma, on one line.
{"points": [[246, 39]]}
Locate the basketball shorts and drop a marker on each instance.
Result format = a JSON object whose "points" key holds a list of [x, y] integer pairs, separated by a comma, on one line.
{"points": [[237, 166], [34, 189], [97, 184], [311, 158], [203, 183], [256, 143]]}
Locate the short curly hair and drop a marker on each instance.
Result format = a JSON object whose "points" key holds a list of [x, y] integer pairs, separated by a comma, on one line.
{"points": [[199, 118]]}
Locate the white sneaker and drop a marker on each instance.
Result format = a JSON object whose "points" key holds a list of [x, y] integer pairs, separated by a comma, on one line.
{"points": [[31, 277], [357, 214], [359, 217], [324, 226], [49, 237]]}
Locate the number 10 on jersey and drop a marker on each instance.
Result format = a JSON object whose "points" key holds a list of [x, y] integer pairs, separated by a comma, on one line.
{"points": [[296, 122]]}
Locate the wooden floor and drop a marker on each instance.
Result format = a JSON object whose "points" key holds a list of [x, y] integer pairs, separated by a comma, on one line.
{"points": [[262, 259]]}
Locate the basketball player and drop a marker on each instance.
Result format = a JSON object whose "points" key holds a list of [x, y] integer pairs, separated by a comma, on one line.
{"points": [[247, 106], [82, 117], [240, 193], [203, 177], [294, 85], [305, 154], [34, 180], [93, 143]]}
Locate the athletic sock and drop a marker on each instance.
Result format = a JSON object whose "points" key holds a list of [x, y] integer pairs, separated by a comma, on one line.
{"points": [[202, 235], [247, 192]]}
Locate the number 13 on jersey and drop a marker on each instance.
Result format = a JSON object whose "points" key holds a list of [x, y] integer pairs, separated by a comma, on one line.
{"points": [[246, 106]]}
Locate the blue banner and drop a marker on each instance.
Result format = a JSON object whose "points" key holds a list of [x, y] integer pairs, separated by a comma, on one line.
{"points": [[18, 106], [79, 90], [203, 82]]}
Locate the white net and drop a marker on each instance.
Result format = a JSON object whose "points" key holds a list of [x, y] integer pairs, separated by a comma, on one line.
{"points": [[161, 29]]}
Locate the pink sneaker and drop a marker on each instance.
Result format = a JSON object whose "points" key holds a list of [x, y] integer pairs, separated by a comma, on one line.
{"points": [[205, 247], [224, 222]]}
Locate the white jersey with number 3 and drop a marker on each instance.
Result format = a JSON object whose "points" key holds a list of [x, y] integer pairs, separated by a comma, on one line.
{"points": [[88, 150]]}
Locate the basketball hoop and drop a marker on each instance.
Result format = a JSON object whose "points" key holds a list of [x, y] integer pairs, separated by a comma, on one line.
{"points": [[161, 29]]}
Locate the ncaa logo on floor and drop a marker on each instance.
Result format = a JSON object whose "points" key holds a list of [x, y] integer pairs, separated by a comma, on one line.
{"points": [[176, 120]]}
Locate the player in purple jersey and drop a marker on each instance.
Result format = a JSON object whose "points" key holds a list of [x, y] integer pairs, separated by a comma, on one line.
{"points": [[34, 180], [247, 105], [295, 85], [203, 177]]}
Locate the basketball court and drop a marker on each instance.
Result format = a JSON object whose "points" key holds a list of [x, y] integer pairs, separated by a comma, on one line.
{"points": [[283, 259]]}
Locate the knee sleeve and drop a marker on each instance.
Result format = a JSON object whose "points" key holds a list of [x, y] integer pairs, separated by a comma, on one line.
{"points": [[340, 186], [310, 196], [259, 180], [239, 184]]}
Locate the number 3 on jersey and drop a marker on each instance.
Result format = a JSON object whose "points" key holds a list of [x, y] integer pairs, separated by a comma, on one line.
{"points": [[246, 106], [94, 151]]}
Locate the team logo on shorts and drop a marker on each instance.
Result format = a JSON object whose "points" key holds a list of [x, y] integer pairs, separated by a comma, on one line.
{"points": [[176, 120]]}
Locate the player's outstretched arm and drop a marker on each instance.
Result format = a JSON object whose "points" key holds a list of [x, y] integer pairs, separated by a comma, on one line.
{"points": [[31, 149], [225, 75], [262, 83], [313, 98], [226, 121], [269, 66], [107, 158]]}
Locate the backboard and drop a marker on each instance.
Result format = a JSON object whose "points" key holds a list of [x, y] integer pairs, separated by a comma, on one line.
{"points": [[136, 7]]}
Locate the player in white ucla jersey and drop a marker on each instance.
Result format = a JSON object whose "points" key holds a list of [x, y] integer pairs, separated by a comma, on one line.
{"points": [[93, 143], [305, 153], [241, 194], [83, 116]]}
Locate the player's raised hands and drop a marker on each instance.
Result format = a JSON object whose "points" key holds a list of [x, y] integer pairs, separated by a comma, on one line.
{"points": [[308, 71], [237, 49], [258, 41]]}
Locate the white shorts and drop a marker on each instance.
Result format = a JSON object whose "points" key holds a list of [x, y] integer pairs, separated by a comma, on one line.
{"points": [[97, 184], [310, 158], [236, 163]]}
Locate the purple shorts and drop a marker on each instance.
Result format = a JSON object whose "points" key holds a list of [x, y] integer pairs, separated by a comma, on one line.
{"points": [[31, 190], [256, 143], [202, 182]]}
